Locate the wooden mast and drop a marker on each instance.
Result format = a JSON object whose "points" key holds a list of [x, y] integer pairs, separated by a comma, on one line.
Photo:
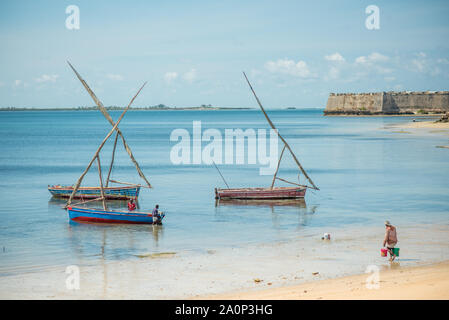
{"points": [[112, 159], [101, 183], [108, 117], [78, 183], [277, 168], [220, 174], [296, 184], [283, 140]]}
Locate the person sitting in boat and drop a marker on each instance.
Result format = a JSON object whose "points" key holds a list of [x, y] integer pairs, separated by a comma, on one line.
{"points": [[131, 205], [157, 217]]}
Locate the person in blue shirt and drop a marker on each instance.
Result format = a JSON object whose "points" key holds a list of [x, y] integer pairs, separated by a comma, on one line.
{"points": [[157, 218]]}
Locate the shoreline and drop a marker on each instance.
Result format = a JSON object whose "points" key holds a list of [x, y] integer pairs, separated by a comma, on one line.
{"points": [[426, 282], [217, 272], [121, 109], [423, 128], [423, 125], [433, 115]]}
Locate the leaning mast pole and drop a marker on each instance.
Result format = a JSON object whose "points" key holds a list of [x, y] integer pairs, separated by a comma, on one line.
{"points": [[112, 160], [78, 183], [283, 140], [109, 118]]}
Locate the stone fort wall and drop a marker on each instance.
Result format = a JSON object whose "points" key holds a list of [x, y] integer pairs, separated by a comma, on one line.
{"points": [[388, 103]]}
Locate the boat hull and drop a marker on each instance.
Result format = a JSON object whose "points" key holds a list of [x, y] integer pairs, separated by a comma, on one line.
{"points": [[278, 193], [108, 216], [111, 193], [297, 202]]}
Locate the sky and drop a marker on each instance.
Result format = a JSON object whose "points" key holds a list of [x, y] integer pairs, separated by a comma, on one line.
{"points": [[193, 52]]}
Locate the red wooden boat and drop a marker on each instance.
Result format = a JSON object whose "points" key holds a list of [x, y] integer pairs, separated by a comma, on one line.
{"points": [[275, 193], [268, 193]]}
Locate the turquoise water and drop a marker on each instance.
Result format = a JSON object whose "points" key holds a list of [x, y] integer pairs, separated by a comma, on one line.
{"points": [[366, 175]]}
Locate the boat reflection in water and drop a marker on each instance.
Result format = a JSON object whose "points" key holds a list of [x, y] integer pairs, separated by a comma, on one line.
{"points": [[100, 243], [281, 210], [264, 203]]}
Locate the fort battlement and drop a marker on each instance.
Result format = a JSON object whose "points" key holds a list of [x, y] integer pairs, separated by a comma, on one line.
{"points": [[377, 103]]}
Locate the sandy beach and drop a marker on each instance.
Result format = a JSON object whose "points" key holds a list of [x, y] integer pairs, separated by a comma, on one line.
{"points": [[281, 270], [417, 283], [423, 126], [426, 125]]}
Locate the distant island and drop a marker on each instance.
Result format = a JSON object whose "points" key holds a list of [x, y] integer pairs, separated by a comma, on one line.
{"points": [[91, 108]]}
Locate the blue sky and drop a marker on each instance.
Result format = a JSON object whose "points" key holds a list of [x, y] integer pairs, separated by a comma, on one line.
{"points": [[193, 52]]}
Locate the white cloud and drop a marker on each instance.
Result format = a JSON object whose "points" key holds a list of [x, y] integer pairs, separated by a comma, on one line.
{"points": [[115, 77], [419, 64], [170, 76], [47, 78], [383, 70], [17, 82], [421, 54], [337, 64], [361, 59], [373, 57], [286, 66], [335, 57], [377, 57], [372, 63], [190, 76], [333, 73], [362, 67]]}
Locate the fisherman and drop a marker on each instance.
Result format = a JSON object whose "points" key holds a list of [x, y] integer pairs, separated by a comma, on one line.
{"points": [[131, 205], [390, 239], [157, 219]]}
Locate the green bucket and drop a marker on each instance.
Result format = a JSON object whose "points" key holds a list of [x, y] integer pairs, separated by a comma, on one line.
{"points": [[396, 252]]}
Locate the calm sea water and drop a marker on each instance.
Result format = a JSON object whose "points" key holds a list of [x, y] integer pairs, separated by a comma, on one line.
{"points": [[366, 175]]}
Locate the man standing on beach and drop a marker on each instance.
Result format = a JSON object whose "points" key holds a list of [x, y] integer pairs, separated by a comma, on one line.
{"points": [[391, 238]]}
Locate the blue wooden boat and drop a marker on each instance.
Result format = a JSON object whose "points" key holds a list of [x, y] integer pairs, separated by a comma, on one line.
{"points": [[105, 215], [109, 216], [110, 193]]}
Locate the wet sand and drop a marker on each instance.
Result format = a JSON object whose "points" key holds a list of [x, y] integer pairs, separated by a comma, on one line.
{"points": [[426, 127], [422, 129], [252, 268], [397, 283]]}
